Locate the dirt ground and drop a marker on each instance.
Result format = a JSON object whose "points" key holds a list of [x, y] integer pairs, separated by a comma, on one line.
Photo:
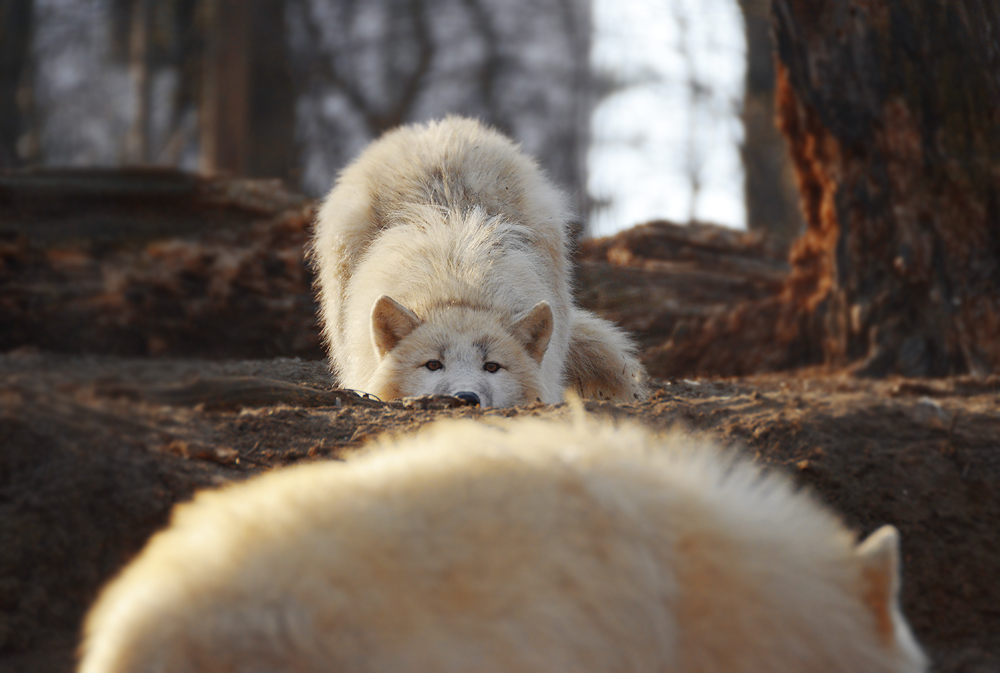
{"points": [[96, 450]]}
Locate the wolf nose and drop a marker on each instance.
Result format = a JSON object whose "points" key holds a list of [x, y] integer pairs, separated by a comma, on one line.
{"points": [[471, 398]]}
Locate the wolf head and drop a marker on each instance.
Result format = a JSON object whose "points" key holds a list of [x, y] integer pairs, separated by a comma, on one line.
{"points": [[466, 352]]}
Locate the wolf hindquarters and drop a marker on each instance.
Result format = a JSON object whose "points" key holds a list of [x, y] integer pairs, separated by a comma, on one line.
{"points": [[529, 546], [432, 248], [602, 362]]}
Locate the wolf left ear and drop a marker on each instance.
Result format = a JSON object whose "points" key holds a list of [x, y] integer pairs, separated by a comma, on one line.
{"points": [[534, 330], [879, 559], [391, 323]]}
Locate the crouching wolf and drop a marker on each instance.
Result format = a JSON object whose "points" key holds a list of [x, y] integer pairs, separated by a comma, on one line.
{"points": [[441, 260], [535, 547]]}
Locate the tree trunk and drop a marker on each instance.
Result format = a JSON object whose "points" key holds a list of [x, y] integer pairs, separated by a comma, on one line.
{"points": [[224, 109], [15, 46], [892, 110], [272, 149], [137, 150], [772, 197]]}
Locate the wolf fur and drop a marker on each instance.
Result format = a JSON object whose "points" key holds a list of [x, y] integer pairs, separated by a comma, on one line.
{"points": [[530, 546], [442, 268]]}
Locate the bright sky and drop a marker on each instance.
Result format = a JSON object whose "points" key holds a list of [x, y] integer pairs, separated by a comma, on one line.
{"points": [[651, 136]]}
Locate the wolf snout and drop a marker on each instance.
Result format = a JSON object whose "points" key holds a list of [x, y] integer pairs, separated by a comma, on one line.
{"points": [[470, 397]]}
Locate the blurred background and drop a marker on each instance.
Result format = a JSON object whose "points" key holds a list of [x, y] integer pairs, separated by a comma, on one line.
{"points": [[640, 109]]}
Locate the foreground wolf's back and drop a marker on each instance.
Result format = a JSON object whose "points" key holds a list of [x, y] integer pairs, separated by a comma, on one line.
{"points": [[530, 547]]}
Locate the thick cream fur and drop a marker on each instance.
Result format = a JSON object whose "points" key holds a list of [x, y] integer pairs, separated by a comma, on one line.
{"points": [[447, 214], [602, 362], [528, 546]]}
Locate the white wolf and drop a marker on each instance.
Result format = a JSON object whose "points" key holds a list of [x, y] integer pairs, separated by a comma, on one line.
{"points": [[533, 546], [441, 258]]}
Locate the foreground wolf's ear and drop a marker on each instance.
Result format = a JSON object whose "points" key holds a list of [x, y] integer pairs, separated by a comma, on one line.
{"points": [[391, 322], [534, 329], [879, 557]]}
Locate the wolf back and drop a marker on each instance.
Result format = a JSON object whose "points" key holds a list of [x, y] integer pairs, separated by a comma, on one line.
{"points": [[526, 546]]}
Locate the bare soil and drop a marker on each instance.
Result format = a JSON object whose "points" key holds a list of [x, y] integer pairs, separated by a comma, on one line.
{"points": [[96, 450]]}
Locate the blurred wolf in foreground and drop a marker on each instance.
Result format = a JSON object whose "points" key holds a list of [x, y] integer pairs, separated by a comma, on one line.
{"points": [[533, 546], [441, 258]]}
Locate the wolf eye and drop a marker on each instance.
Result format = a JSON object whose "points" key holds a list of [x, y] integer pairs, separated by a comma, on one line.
{"points": [[492, 367], [434, 365]]}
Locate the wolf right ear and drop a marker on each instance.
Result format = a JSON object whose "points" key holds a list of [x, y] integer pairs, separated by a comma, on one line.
{"points": [[879, 557], [391, 323], [534, 329]]}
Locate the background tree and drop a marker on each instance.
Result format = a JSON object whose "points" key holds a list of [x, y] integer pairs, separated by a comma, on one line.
{"points": [[140, 27], [892, 110], [772, 196], [15, 43], [295, 88], [274, 150], [231, 102], [364, 66], [225, 98]]}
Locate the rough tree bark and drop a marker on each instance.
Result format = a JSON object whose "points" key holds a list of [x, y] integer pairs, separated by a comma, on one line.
{"points": [[892, 110]]}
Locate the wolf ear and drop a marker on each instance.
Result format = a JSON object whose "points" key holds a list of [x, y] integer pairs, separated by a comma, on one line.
{"points": [[879, 560], [534, 329], [391, 323]]}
